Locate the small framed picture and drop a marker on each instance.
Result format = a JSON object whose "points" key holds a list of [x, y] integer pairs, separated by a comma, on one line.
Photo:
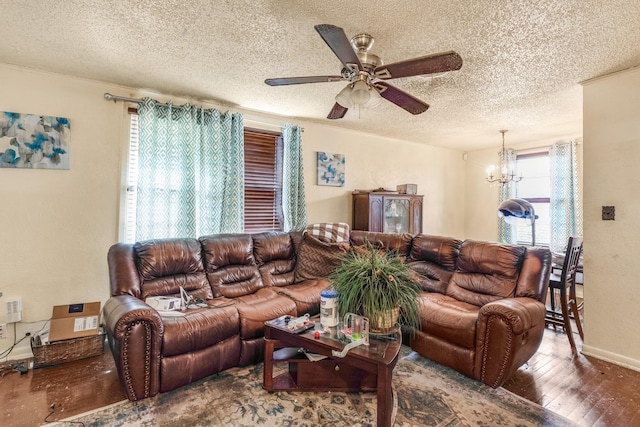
{"points": [[331, 169]]}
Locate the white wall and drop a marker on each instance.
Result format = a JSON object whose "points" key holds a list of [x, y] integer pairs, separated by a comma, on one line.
{"points": [[481, 218], [612, 178], [373, 162], [58, 225]]}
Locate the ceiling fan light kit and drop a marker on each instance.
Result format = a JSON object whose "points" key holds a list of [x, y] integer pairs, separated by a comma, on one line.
{"points": [[366, 73], [360, 93], [344, 96]]}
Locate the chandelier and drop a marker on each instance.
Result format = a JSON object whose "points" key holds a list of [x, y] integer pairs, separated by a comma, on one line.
{"points": [[506, 171]]}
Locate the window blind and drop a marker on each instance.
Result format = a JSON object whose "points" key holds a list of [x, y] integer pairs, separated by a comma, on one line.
{"points": [[262, 181]]}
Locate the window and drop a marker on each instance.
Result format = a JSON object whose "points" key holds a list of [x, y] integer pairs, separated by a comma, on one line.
{"points": [[536, 189], [262, 180], [132, 181]]}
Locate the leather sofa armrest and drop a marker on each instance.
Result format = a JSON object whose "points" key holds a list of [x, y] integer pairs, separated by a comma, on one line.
{"points": [[123, 273], [509, 332], [521, 313], [135, 332]]}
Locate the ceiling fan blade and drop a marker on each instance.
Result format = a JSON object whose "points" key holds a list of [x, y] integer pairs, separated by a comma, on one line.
{"points": [[338, 42], [430, 64], [337, 112], [301, 80], [400, 98]]}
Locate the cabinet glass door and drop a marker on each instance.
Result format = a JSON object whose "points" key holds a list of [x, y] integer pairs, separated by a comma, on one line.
{"points": [[396, 216]]}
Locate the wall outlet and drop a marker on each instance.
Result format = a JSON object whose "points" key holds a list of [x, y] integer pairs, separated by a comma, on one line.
{"points": [[14, 310], [3, 331]]}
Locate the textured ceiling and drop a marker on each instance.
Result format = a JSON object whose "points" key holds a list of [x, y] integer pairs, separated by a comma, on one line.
{"points": [[523, 61]]}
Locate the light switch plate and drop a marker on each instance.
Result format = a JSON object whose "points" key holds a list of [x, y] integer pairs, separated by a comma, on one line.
{"points": [[608, 213]]}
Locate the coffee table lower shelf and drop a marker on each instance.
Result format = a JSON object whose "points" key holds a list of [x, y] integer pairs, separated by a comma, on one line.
{"points": [[323, 375], [362, 369]]}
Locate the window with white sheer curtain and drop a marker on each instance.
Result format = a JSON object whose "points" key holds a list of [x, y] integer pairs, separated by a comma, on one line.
{"points": [[551, 184], [535, 188]]}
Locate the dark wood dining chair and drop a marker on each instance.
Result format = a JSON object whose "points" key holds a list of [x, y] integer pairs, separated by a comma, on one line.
{"points": [[565, 285]]}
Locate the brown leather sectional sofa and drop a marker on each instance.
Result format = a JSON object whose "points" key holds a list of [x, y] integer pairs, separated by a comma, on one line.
{"points": [[481, 310]]}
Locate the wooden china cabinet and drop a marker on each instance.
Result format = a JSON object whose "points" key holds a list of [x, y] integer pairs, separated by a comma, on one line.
{"points": [[387, 212]]}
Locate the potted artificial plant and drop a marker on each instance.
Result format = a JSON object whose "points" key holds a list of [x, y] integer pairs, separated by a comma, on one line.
{"points": [[377, 284]]}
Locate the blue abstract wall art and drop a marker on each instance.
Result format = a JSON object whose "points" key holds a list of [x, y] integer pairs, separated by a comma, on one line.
{"points": [[33, 142], [331, 169]]}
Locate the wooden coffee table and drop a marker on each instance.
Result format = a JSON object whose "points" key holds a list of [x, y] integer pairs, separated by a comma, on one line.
{"points": [[364, 368]]}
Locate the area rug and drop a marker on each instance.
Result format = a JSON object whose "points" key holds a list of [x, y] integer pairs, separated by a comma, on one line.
{"points": [[427, 394]]}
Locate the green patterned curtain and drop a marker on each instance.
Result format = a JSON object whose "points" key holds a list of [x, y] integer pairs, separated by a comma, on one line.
{"points": [[507, 233], [191, 171], [565, 207], [294, 207]]}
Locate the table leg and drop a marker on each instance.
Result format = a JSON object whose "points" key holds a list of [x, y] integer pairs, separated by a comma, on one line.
{"points": [[267, 373], [385, 396]]}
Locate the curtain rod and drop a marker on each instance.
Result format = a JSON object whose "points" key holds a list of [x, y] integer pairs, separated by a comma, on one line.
{"points": [[547, 147], [116, 98], [258, 122]]}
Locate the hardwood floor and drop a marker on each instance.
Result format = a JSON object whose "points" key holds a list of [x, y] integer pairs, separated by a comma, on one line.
{"points": [[585, 390]]}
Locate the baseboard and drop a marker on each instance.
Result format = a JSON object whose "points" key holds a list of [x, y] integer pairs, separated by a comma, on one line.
{"points": [[614, 358], [20, 353]]}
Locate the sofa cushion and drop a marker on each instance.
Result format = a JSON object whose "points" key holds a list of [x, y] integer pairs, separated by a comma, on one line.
{"points": [[278, 272], [443, 251], [271, 246], [230, 265], [166, 265], [199, 328], [305, 294], [486, 272], [431, 276], [257, 308], [401, 243], [434, 258], [276, 256], [449, 319], [318, 259]]}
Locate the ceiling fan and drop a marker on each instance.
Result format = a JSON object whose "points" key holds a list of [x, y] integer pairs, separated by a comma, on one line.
{"points": [[367, 74]]}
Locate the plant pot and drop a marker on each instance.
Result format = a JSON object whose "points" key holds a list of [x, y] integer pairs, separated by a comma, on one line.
{"points": [[383, 322]]}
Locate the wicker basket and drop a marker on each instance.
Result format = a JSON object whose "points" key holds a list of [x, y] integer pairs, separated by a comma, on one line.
{"points": [[67, 350], [384, 322]]}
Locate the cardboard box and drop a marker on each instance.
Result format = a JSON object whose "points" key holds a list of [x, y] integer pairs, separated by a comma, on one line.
{"points": [[74, 321], [407, 188]]}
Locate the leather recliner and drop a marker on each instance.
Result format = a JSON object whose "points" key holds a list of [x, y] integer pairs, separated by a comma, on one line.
{"points": [[482, 309]]}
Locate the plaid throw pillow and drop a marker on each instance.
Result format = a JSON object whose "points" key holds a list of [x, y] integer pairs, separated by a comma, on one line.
{"points": [[330, 232]]}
